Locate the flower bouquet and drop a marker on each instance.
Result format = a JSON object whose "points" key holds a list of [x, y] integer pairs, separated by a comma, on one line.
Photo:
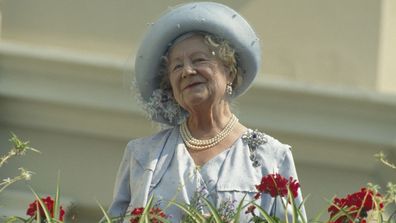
{"points": [[366, 205]]}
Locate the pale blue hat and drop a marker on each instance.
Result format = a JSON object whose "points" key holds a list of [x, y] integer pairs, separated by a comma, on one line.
{"points": [[209, 17]]}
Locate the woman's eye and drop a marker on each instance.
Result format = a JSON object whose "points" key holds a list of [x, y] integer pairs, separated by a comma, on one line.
{"points": [[177, 66], [197, 60]]}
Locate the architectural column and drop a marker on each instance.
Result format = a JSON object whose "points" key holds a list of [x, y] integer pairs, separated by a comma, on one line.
{"points": [[0, 25], [387, 51]]}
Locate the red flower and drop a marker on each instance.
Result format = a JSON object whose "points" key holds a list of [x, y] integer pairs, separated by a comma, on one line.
{"points": [[356, 205], [49, 203], [137, 211], [153, 214], [276, 185]]}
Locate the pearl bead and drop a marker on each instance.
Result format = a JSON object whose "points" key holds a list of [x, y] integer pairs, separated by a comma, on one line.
{"points": [[203, 144]]}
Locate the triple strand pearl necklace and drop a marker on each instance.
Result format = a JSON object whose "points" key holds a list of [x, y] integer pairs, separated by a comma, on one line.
{"points": [[203, 144]]}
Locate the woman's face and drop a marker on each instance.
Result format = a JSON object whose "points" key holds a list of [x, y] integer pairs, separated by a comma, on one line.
{"points": [[197, 77]]}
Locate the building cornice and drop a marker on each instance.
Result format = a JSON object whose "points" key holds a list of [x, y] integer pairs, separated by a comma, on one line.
{"points": [[81, 93]]}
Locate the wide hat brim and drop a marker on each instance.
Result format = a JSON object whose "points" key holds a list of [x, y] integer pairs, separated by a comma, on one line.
{"points": [[209, 17]]}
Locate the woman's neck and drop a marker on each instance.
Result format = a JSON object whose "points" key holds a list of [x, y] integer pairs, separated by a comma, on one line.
{"points": [[206, 123]]}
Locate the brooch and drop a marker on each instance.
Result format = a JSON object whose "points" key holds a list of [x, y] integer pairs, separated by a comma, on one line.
{"points": [[254, 139]]}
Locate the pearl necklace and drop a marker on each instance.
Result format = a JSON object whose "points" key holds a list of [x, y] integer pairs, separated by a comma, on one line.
{"points": [[203, 144]]}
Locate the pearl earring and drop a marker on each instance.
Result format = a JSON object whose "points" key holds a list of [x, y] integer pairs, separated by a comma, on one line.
{"points": [[229, 88]]}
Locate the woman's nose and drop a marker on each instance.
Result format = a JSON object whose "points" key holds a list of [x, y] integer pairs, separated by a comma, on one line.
{"points": [[188, 69]]}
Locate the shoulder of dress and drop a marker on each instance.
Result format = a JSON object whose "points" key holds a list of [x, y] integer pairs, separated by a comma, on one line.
{"points": [[148, 149], [135, 144], [263, 145]]}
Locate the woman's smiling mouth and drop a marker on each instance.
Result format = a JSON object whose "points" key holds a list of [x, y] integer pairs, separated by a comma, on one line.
{"points": [[192, 85]]}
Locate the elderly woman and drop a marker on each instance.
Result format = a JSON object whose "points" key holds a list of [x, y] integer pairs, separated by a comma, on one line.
{"points": [[193, 61]]}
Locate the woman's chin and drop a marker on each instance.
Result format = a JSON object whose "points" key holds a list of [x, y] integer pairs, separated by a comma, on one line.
{"points": [[197, 99], [193, 94]]}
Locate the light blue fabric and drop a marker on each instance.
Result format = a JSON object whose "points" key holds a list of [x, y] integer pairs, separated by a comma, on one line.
{"points": [[183, 179], [161, 166]]}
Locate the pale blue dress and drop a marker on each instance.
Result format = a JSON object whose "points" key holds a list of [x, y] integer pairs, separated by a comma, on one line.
{"points": [[184, 182], [161, 166]]}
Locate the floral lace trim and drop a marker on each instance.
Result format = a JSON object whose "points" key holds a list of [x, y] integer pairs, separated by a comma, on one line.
{"points": [[160, 105]]}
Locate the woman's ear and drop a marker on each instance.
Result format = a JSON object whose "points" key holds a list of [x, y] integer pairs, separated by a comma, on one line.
{"points": [[230, 76]]}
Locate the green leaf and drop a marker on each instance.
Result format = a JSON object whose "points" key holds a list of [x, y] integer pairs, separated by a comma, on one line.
{"points": [[267, 217], [14, 219], [145, 218], [239, 209], [391, 216], [213, 210], [192, 212], [46, 211], [342, 212], [318, 216], [57, 205], [297, 214], [303, 202], [38, 215], [107, 217], [295, 210]]}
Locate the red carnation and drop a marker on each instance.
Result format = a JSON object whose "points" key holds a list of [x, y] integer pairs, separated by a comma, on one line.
{"points": [[356, 205], [137, 211], [49, 203], [276, 185], [153, 214]]}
